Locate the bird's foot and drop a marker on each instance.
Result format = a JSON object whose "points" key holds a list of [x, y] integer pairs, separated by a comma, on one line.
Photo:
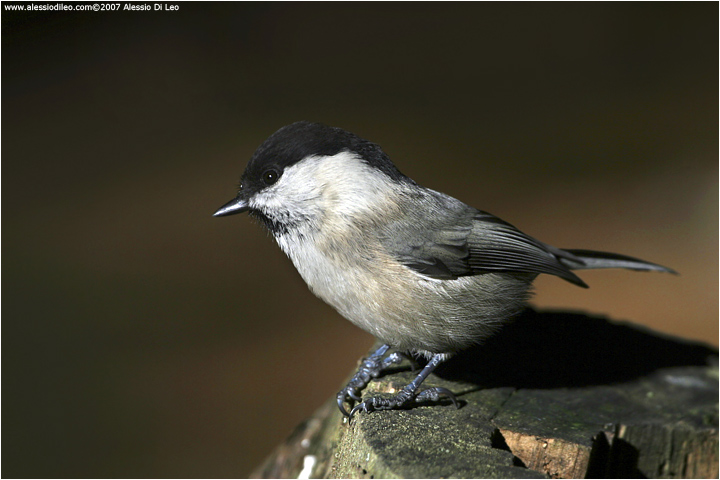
{"points": [[407, 396], [370, 368]]}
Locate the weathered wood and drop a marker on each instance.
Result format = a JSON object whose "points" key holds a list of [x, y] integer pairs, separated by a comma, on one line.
{"points": [[554, 395]]}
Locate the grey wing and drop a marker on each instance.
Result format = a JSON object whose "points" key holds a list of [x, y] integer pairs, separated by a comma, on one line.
{"points": [[431, 235], [438, 253], [455, 240], [495, 245]]}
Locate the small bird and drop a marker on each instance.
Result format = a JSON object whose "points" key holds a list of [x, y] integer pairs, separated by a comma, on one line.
{"points": [[423, 272]]}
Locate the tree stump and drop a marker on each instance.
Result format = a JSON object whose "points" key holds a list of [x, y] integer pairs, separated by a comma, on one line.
{"points": [[559, 395]]}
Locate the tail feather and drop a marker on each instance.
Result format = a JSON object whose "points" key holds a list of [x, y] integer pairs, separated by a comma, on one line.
{"points": [[589, 259]]}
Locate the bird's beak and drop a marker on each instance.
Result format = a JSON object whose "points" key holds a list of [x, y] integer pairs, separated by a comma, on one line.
{"points": [[236, 205]]}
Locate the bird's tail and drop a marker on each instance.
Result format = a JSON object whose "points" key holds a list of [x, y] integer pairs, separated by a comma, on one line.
{"points": [[589, 259]]}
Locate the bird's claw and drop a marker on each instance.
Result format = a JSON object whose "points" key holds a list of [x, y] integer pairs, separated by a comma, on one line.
{"points": [[343, 395], [370, 368], [435, 394], [403, 399]]}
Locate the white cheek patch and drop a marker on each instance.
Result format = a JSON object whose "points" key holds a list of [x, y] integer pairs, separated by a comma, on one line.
{"points": [[267, 201], [341, 184], [294, 197]]}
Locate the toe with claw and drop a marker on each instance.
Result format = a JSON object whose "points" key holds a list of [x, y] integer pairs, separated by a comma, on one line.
{"points": [[405, 398], [370, 368]]}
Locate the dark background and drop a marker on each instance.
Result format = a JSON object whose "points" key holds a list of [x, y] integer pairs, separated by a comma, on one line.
{"points": [[142, 337]]}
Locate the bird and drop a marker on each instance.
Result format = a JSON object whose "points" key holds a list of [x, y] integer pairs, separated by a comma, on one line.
{"points": [[426, 274]]}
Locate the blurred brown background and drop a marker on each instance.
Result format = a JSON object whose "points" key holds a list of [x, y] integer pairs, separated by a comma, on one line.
{"points": [[142, 337]]}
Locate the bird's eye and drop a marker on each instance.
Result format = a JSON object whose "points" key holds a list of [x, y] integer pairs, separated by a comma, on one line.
{"points": [[270, 177]]}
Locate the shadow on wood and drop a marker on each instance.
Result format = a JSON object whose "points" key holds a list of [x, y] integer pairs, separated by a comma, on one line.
{"points": [[562, 349]]}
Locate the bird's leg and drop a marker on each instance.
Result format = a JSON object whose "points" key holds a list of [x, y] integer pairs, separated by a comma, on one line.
{"points": [[409, 394], [370, 368]]}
